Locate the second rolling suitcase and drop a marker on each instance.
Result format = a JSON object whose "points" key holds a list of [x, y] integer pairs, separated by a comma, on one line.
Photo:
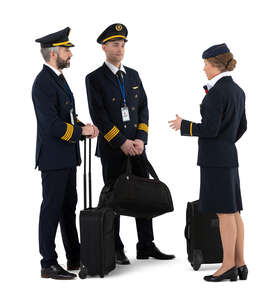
{"points": [[202, 233], [96, 233]]}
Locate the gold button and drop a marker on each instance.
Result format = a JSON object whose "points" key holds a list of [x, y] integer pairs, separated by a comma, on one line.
{"points": [[135, 125], [113, 99], [135, 96], [133, 108]]}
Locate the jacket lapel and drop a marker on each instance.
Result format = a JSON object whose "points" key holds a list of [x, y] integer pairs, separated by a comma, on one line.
{"points": [[57, 80], [109, 74], [128, 84]]}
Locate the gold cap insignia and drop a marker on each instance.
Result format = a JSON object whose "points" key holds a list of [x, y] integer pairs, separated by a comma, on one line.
{"points": [[118, 27]]}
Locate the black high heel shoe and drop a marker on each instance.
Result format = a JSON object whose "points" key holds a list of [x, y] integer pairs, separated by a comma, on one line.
{"points": [[231, 274], [242, 272]]}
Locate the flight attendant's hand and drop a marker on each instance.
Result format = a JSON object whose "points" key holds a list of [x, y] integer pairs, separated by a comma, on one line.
{"points": [[176, 124]]}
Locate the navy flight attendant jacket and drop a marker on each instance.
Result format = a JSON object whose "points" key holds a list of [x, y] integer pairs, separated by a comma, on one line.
{"points": [[223, 123]]}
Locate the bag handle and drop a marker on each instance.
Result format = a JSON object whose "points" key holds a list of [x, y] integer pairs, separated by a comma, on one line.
{"points": [[128, 166], [149, 167], [146, 163]]}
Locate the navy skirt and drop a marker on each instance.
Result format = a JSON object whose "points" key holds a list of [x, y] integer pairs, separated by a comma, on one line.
{"points": [[219, 190]]}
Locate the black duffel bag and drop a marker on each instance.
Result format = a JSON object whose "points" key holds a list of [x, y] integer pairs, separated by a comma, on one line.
{"points": [[136, 196]]}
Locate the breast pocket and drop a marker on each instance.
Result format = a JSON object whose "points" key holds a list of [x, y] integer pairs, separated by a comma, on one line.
{"points": [[134, 94]]}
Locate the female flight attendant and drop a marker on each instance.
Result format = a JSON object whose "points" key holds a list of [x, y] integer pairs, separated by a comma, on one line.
{"points": [[223, 123]]}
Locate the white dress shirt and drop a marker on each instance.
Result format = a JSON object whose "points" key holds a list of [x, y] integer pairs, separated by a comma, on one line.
{"points": [[213, 81], [57, 72], [113, 68]]}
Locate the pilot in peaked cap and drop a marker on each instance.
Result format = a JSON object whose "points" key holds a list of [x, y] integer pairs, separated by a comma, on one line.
{"points": [[112, 33], [59, 38]]}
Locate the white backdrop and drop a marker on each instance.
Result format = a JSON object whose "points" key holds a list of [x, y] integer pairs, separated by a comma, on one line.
{"points": [[165, 43]]}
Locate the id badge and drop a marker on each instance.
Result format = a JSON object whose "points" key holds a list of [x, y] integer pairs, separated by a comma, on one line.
{"points": [[125, 114], [72, 116]]}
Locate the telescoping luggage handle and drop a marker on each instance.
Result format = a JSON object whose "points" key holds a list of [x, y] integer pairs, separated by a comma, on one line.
{"points": [[89, 174]]}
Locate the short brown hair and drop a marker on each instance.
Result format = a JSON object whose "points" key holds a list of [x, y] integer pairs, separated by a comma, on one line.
{"points": [[224, 62]]}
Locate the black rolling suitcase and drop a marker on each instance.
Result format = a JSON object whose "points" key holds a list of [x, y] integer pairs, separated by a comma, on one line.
{"points": [[202, 233], [96, 233]]}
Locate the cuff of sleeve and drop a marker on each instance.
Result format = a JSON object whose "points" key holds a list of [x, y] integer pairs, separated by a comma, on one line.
{"points": [[186, 128], [72, 133], [81, 124], [114, 137], [142, 135], [142, 132], [77, 134], [68, 134]]}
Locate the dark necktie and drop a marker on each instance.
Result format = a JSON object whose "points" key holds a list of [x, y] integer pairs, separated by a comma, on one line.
{"points": [[120, 75], [62, 78]]}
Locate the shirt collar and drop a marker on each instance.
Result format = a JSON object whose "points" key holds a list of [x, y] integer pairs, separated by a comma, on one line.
{"points": [[56, 71], [113, 68], [213, 81]]}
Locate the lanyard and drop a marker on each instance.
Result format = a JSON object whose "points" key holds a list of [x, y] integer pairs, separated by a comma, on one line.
{"points": [[122, 91]]}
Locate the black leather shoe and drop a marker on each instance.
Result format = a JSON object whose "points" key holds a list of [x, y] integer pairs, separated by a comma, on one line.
{"points": [[73, 265], [153, 251], [56, 272], [231, 274], [242, 272], [121, 258]]}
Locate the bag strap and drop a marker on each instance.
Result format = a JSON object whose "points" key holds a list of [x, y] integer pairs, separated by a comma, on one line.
{"points": [[148, 166]]}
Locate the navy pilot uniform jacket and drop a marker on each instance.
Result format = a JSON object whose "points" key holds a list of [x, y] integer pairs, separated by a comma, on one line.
{"points": [[58, 133], [105, 102]]}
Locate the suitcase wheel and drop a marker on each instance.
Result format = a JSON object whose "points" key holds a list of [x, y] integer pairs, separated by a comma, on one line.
{"points": [[83, 272], [197, 259], [82, 275]]}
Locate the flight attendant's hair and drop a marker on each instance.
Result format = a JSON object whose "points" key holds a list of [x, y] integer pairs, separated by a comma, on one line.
{"points": [[224, 62]]}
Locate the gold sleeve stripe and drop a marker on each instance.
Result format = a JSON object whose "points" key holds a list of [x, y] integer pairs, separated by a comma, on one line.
{"points": [[111, 134], [68, 133], [143, 126], [191, 129]]}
